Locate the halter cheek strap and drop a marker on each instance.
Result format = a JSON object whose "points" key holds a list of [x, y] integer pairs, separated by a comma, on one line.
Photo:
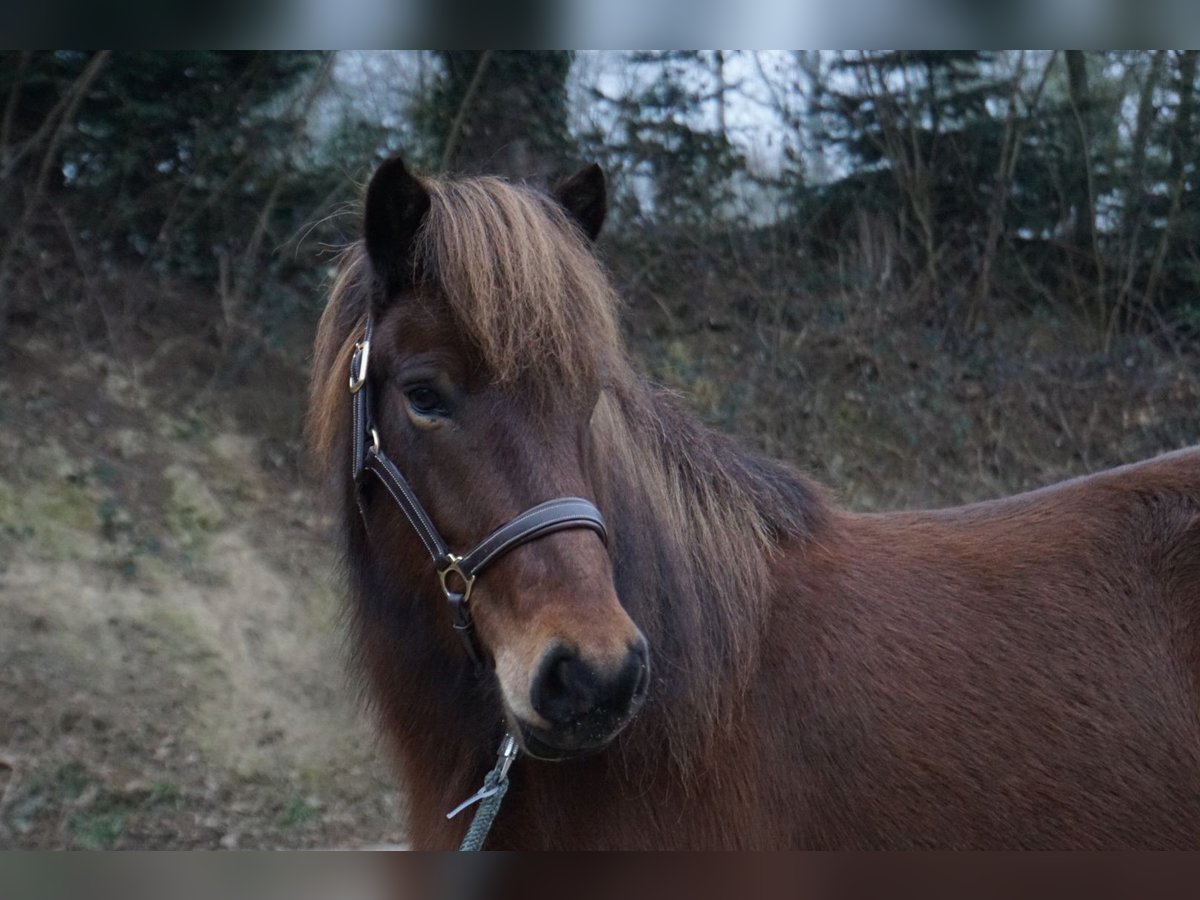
{"points": [[456, 573]]}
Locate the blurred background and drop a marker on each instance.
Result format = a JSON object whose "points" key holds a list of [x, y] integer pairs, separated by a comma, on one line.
{"points": [[924, 277]]}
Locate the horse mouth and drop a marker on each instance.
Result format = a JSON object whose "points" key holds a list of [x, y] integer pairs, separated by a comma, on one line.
{"points": [[548, 747]]}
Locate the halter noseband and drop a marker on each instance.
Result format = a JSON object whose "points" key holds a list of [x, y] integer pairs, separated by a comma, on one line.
{"points": [[456, 573]]}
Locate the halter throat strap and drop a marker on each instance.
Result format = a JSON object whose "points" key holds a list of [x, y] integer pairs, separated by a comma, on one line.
{"points": [[456, 573]]}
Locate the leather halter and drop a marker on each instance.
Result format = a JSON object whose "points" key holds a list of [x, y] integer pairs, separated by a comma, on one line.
{"points": [[456, 573]]}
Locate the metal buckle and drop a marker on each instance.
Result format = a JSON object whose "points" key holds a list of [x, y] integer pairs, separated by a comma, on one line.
{"points": [[458, 598], [460, 606], [504, 761], [362, 350], [374, 441]]}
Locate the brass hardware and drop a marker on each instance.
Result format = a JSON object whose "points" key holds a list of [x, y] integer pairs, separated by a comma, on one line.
{"points": [[468, 581]]}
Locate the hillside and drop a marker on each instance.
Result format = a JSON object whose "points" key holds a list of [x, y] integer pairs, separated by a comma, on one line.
{"points": [[171, 657]]}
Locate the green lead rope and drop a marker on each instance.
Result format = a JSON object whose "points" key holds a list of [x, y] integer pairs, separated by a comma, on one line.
{"points": [[489, 797], [486, 813]]}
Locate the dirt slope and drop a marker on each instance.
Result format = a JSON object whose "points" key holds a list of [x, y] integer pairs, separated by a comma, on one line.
{"points": [[171, 665]]}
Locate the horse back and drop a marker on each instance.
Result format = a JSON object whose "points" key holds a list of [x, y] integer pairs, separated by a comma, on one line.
{"points": [[1117, 536]]}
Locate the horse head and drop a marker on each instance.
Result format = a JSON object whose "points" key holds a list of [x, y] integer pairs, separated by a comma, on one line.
{"points": [[490, 322]]}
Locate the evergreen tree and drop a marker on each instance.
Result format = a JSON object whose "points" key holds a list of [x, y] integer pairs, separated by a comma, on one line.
{"points": [[180, 151], [921, 137], [671, 137], [500, 111], [1171, 246]]}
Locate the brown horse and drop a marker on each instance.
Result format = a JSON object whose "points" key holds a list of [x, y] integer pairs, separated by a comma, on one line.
{"points": [[1018, 673]]}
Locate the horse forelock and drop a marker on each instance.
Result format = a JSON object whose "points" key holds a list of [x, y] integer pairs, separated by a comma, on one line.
{"points": [[521, 282]]}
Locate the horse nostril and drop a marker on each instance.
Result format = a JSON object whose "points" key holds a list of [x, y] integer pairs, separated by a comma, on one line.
{"points": [[568, 688], [643, 679], [564, 688], [627, 690]]}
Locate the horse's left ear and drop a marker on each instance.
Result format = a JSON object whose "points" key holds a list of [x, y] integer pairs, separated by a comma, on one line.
{"points": [[585, 196], [397, 204]]}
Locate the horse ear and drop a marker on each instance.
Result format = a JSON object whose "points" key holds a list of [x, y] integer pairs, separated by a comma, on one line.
{"points": [[397, 204], [585, 196]]}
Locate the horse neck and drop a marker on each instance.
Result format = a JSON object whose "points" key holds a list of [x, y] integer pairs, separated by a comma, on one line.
{"points": [[695, 522]]}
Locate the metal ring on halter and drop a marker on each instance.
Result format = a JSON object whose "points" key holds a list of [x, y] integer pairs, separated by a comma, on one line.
{"points": [[375, 441], [359, 377], [459, 598]]}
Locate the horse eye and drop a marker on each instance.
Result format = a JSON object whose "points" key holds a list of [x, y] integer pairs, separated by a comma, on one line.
{"points": [[425, 401]]}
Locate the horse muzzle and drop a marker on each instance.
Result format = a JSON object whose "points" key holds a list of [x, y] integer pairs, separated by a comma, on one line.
{"points": [[583, 704]]}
